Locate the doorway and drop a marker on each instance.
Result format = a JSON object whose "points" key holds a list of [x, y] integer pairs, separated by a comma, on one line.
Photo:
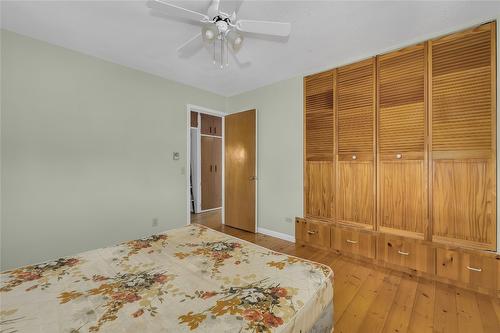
{"points": [[221, 168], [206, 166]]}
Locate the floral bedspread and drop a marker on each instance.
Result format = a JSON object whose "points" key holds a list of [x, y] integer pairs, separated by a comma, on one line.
{"points": [[187, 279]]}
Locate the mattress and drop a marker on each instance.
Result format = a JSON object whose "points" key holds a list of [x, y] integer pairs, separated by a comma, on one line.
{"points": [[191, 279]]}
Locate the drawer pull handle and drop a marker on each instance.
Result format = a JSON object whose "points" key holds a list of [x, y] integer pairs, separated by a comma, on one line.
{"points": [[404, 253], [351, 241], [474, 269], [311, 232]]}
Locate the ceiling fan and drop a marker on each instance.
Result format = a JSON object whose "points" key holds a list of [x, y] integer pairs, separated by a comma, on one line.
{"points": [[220, 27]]}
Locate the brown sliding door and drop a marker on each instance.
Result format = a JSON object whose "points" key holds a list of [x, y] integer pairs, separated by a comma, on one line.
{"points": [[240, 174]]}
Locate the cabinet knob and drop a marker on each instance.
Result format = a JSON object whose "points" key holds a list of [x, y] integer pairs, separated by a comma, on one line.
{"points": [[399, 156], [354, 157]]}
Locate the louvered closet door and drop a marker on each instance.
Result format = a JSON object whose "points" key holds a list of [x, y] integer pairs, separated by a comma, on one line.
{"points": [[319, 135], [402, 169], [463, 76], [355, 91]]}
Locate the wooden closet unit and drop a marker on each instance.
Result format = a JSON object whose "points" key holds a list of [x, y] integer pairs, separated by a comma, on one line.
{"points": [[463, 133], [319, 182], [211, 172], [211, 125], [400, 160], [355, 150], [401, 149]]}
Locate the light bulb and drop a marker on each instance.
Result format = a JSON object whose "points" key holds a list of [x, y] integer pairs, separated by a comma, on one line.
{"points": [[209, 32], [235, 40]]}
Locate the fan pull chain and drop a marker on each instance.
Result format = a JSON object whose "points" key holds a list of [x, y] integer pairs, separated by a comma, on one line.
{"points": [[227, 54], [221, 53]]}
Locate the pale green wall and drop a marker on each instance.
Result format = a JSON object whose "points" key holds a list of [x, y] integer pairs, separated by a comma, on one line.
{"points": [[87, 151], [279, 151]]}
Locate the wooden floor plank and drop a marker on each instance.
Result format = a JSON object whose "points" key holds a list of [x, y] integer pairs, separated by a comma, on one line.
{"points": [[399, 315], [348, 281], [368, 298], [422, 317], [352, 318], [445, 309], [379, 310], [489, 318], [469, 318]]}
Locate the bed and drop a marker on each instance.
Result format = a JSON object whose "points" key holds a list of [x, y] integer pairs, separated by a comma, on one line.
{"points": [[191, 279]]}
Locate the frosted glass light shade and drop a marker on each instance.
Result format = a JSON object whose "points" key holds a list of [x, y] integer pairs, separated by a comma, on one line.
{"points": [[209, 32], [234, 39]]}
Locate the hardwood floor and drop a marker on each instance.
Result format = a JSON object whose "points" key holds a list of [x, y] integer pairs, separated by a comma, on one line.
{"points": [[372, 299]]}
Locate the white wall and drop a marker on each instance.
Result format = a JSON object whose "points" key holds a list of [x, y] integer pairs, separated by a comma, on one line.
{"points": [[87, 151], [279, 151]]}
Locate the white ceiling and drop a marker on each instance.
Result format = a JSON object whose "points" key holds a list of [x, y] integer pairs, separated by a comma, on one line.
{"points": [[324, 34]]}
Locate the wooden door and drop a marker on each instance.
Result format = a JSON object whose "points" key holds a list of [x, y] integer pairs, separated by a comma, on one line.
{"points": [[211, 172], [319, 181], [355, 176], [240, 171], [463, 133], [217, 172], [402, 162]]}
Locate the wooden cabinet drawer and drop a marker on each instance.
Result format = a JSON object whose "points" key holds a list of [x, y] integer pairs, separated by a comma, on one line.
{"points": [[312, 233], [353, 241], [476, 270], [406, 252]]}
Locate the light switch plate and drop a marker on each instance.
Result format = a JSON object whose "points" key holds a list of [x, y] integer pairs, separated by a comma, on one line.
{"points": [[176, 156]]}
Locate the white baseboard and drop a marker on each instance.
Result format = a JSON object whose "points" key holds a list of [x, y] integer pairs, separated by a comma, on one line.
{"points": [[276, 234]]}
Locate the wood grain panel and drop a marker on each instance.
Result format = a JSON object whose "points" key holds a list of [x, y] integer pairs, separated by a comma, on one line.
{"points": [[350, 240], [319, 189], [402, 168], [211, 172], [318, 109], [463, 202], [476, 270], [462, 92], [194, 119], [463, 131], [240, 170], [355, 195], [409, 253], [355, 91], [402, 195]]}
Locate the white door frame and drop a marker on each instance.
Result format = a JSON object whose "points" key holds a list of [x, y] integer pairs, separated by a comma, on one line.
{"points": [[200, 109]]}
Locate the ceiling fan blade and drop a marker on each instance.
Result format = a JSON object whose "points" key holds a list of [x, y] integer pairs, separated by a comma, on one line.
{"points": [[240, 61], [264, 27], [177, 11], [231, 6], [191, 46], [213, 9]]}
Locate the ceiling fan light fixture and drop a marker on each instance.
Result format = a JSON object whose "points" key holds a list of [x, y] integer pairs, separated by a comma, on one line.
{"points": [[209, 32], [235, 39]]}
